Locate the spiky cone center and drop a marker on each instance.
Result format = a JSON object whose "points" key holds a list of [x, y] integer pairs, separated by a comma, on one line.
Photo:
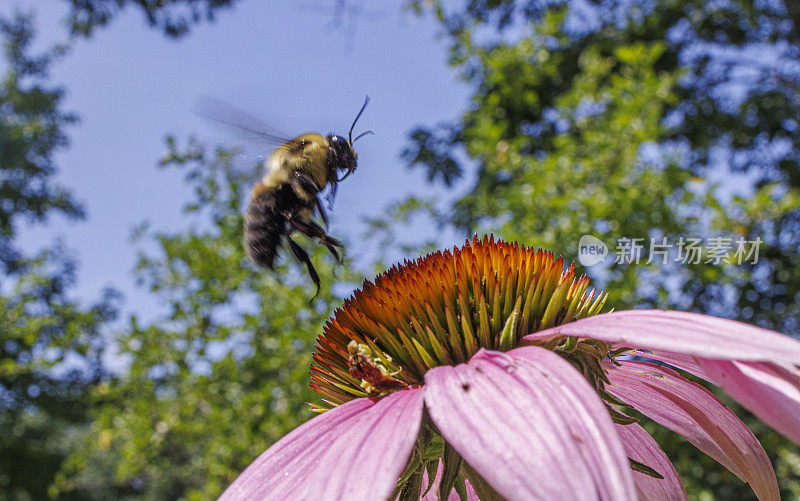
{"points": [[442, 308]]}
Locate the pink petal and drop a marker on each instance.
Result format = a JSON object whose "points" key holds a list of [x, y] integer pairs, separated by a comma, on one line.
{"points": [[285, 467], [640, 446], [431, 490], [695, 413], [681, 332], [530, 425], [471, 495], [431, 495], [354, 451], [686, 363], [770, 392]]}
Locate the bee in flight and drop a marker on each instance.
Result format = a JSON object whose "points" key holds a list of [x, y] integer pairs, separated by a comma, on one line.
{"points": [[286, 199]]}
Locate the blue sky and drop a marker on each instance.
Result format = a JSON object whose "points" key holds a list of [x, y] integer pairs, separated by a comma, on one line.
{"points": [[278, 60]]}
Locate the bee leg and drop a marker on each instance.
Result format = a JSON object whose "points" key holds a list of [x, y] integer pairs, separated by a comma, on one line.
{"points": [[305, 183], [312, 229], [332, 195], [309, 186], [333, 251], [302, 256], [321, 211]]}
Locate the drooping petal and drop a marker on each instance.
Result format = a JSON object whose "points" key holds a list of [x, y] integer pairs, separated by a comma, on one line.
{"points": [[640, 446], [686, 363], [354, 451], [530, 425], [770, 392], [695, 413], [681, 332], [430, 494]]}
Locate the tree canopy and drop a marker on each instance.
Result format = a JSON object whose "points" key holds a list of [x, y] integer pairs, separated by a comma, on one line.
{"points": [[652, 120], [51, 345], [32, 128], [575, 101], [174, 18]]}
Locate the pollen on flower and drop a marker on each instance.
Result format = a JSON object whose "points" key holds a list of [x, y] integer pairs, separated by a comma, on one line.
{"points": [[375, 378], [441, 309]]}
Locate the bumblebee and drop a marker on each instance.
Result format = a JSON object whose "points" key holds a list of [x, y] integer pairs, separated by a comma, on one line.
{"points": [[287, 198]]}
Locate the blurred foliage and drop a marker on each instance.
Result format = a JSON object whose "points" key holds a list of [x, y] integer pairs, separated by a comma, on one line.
{"points": [[633, 119], [50, 350], [224, 372], [50, 344], [174, 17], [32, 127], [640, 120]]}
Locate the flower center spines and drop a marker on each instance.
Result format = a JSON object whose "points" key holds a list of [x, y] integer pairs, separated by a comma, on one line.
{"points": [[442, 308]]}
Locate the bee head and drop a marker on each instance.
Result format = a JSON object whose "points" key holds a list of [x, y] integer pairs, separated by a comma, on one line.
{"points": [[344, 156], [341, 155]]}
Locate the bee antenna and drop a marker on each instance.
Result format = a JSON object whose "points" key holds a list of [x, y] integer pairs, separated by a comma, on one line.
{"points": [[362, 135], [350, 134]]}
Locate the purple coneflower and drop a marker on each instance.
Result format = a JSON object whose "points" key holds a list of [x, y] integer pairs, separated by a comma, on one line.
{"points": [[490, 370]]}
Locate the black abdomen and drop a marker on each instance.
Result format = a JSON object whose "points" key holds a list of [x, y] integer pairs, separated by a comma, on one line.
{"points": [[266, 223]]}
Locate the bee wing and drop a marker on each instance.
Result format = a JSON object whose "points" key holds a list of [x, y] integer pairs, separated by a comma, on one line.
{"points": [[240, 122]]}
